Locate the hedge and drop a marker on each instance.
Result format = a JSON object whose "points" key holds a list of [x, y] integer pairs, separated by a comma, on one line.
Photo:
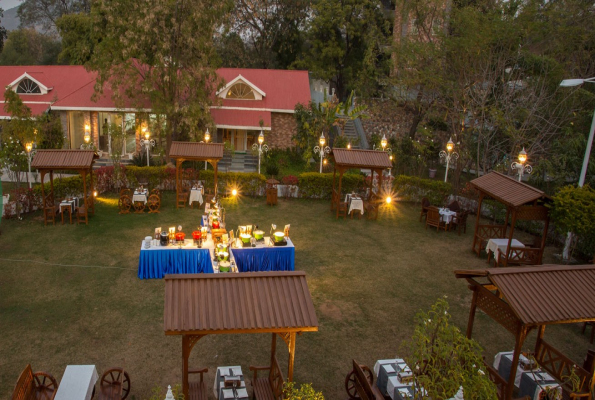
{"points": [[248, 183], [320, 186], [412, 188], [64, 187]]}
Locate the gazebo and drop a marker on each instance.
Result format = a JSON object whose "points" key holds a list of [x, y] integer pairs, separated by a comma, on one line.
{"points": [[80, 161], [265, 302], [194, 151], [376, 161], [523, 202], [522, 299]]}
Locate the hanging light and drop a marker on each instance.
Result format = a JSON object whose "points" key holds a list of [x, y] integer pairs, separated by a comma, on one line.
{"points": [[383, 142], [522, 156], [322, 140], [450, 145], [207, 136], [261, 137]]}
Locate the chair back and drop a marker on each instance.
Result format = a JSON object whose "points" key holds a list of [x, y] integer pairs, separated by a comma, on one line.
{"points": [[362, 386], [454, 206], [425, 202], [589, 363], [433, 216], [276, 379], [25, 385]]}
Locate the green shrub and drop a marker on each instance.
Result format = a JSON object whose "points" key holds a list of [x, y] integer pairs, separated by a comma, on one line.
{"points": [[155, 176], [64, 187], [412, 188], [272, 169], [316, 185], [305, 392], [248, 183]]}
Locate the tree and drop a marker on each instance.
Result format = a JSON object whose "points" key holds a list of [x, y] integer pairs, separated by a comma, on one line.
{"points": [[3, 33], [338, 36], [78, 40], [29, 47], [45, 13], [442, 359], [271, 30], [160, 55]]}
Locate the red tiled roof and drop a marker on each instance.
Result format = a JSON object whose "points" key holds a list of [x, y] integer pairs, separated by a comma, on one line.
{"points": [[241, 119], [36, 109]]}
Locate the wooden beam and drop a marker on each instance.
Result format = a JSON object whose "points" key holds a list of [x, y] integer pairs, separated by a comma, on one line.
{"points": [[216, 183], [52, 184], [92, 193], [472, 313], [178, 164], [341, 171], [509, 239], [273, 347], [188, 342], [520, 339], [481, 196], [291, 356], [84, 189]]}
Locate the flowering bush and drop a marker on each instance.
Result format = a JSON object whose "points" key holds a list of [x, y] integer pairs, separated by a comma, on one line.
{"points": [[290, 180]]}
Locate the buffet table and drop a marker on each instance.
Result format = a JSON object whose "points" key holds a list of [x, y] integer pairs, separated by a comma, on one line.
{"points": [[264, 258], [77, 383], [158, 261], [219, 389]]}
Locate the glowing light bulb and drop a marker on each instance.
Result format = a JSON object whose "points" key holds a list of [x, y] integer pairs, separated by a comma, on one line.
{"points": [[234, 192], [383, 142], [450, 145], [261, 138], [322, 140], [388, 200], [523, 156]]}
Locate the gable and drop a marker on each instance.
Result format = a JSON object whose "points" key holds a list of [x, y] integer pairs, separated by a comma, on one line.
{"points": [[241, 88], [27, 84]]}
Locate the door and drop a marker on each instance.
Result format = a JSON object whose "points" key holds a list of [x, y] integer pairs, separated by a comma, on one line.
{"points": [[239, 141]]}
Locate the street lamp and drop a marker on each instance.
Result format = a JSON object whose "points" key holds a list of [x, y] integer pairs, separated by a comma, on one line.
{"points": [[29, 147], [146, 142], [260, 147], [207, 137], [448, 155], [520, 166], [321, 150], [87, 145], [383, 144]]}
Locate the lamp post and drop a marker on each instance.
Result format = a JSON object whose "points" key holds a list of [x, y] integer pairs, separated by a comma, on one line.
{"points": [[29, 147], [207, 137], [581, 180], [260, 147], [146, 142], [322, 150], [383, 144], [520, 166], [449, 154], [87, 145]]}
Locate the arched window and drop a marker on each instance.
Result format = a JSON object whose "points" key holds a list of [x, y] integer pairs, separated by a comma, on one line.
{"points": [[27, 86], [240, 91]]}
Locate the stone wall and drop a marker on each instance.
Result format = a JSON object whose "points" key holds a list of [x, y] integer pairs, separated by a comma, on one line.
{"points": [[95, 128], [385, 117], [283, 127]]}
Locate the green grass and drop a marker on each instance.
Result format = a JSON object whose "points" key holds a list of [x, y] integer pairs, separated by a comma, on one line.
{"points": [[367, 280]]}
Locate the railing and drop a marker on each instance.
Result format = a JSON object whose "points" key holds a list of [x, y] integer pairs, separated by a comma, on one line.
{"points": [[486, 232], [561, 367], [520, 256], [499, 381]]}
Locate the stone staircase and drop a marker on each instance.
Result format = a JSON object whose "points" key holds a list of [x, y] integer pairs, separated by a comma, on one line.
{"points": [[106, 161], [351, 134], [240, 162]]}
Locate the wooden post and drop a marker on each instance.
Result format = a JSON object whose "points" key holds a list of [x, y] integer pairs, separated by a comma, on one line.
{"points": [[506, 221], [273, 347], [52, 185], [333, 197], [185, 355], [42, 185], [291, 356], [84, 189], [509, 239], [544, 237], [540, 334], [178, 163], [472, 313], [481, 196], [339, 190], [92, 192], [515, 361]]}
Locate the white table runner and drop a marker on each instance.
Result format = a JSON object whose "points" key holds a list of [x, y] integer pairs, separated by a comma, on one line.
{"points": [[77, 383], [501, 244]]}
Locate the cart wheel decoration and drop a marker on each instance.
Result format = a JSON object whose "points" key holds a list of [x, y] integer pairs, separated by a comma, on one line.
{"points": [[154, 203], [113, 378], [350, 382], [125, 203]]}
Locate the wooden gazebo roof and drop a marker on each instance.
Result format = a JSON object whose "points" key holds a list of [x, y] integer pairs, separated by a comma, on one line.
{"points": [[196, 151], [544, 295], [368, 159], [254, 303], [64, 159], [507, 190]]}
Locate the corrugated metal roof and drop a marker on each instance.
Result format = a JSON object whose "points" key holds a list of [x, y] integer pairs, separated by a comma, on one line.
{"points": [[507, 190], [196, 151], [546, 294], [63, 159], [245, 302], [352, 158]]}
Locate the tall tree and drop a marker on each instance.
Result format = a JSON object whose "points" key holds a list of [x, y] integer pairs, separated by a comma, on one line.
{"points": [[29, 47], [45, 13], [339, 35], [3, 33], [159, 54], [78, 39]]}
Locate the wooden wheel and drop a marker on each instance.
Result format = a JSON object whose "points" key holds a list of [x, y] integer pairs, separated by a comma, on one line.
{"points": [[154, 203], [45, 382], [125, 203], [350, 382], [139, 207], [113, 378]]}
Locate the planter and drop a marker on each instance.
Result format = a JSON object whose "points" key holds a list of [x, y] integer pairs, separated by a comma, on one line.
{"points": [[432, 172]]}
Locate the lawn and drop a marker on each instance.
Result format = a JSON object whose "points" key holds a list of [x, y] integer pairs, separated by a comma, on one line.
{"points": [[70, 294]]}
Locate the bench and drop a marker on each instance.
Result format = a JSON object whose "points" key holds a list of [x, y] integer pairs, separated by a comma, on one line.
{"points": [[519, 256], [38, 385], [359, 384], [198, 389], [268, 387]]}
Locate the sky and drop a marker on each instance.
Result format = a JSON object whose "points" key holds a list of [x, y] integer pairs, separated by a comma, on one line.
{"points": [[8, 4]]}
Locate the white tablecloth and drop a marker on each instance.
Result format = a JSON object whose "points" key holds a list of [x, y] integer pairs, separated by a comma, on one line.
{"points": [[140, 196], [501, 244], [195, 195], [5, 199], [356, 204], [71, 203], [446, 215], [77, 383]]}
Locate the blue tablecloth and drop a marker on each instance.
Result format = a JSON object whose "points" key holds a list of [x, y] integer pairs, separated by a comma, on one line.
{"points": [[255, 259], [156, 263]]}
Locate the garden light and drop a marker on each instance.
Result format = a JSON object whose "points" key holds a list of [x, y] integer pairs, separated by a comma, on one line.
{"points": [[260, 147], [322, 150], [388, 199], [520, 166], [322, 140], [448, 155], [207, 136], [95, 193], [522, 156], [234, 192], [450, 145], [261, 138], [146, 142], [383, 142], [29, 146], [349, 146]]}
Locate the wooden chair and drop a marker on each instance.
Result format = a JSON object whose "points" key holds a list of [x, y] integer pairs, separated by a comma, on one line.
{"points": [[433, 219], [425, 206], [154, 204], [38, 385], [342, 210], [454, 206], [592, 325], [518, 256], [589, 362], [371, 206], [125, 204], [49, 210], [500, 382], [82, 213], [271, 386], [182, 197], [156, 192], [198, 389], [359, 384], [461, 221], [114, 384], [208, 195]]}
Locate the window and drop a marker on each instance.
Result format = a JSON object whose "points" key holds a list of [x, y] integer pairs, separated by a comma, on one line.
{"points": [[27, 86], [240, 91]]}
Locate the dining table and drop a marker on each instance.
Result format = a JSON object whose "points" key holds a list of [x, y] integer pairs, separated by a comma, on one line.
{"points": [[140, 195], [355, 203], [500, 244], [389, 381], [236, 388], [68, 205], [447, 215], [157, 261], [77, 383], [195, 195]]}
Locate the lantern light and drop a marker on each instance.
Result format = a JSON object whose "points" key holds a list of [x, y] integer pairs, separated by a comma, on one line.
{"points": [[383, 142], [95, 193], [388, 199], [29, 146], [87, 128], [234, 192], [322, 140], [390, 157], [522, 156], [324, 162], [207, 136], [450, 145], [261, 137], [87, 137], [349, 146]]}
